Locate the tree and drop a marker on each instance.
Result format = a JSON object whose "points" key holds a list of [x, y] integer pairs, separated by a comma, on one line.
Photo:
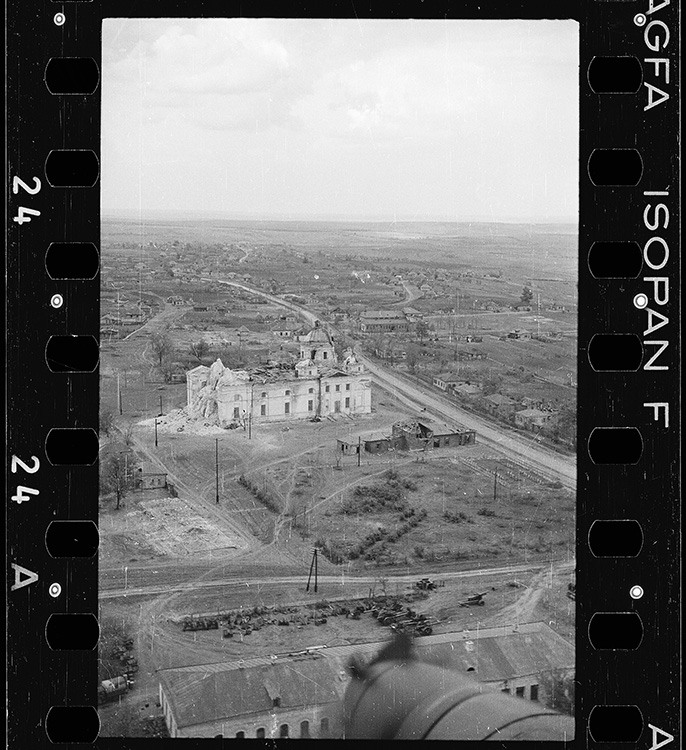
{"points": [[113, 477], [557, 690], [412, 357], [106, 422], [527, 295], [127, 432], [162, 346], [167, 369], [491, 385], [199, 349], [421, 330]]}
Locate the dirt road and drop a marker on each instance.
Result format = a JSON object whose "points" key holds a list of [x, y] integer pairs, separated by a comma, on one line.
{"points": [[180, 578]]}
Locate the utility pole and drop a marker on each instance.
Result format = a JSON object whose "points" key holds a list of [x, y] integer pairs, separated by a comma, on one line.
{"points": [[121, 411], [359, 450], [252, 398], [495, 486], [216, 467], [161, 412], [155, 432], [313, 567]]}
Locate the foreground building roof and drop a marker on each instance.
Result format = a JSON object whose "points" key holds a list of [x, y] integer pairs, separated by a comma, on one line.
{"points": [[214, 692]]}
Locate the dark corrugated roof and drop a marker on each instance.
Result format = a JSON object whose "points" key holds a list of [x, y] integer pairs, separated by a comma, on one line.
{"points": [[200, 696]]}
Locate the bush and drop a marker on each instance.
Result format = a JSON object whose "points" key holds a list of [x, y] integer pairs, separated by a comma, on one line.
{"points": [[458, 517], [488, 512]]}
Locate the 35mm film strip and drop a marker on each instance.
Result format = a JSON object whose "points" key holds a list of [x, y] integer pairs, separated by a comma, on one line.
{"points": [[628, 511]]}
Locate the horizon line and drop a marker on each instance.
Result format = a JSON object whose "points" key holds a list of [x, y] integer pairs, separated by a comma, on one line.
{"points": [[134, 215]]}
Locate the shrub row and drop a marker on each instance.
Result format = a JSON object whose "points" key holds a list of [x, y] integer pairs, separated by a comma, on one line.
{"points": [[386, 495], [260, 494]]}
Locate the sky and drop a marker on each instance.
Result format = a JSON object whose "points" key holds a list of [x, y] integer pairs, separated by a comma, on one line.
{"points": [[318, 119]]}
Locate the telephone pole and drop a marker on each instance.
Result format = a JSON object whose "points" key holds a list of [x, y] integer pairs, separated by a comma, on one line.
{"points": [[216, 467], [161, 412], [359, 450], [495, 486], [313, 567], [155, 432]]}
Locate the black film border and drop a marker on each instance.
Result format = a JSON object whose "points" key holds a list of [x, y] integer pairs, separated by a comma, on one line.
{"points": [[40, 122]]}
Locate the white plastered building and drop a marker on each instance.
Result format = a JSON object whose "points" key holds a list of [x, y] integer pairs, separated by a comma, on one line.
{"points": [[317, 385]]}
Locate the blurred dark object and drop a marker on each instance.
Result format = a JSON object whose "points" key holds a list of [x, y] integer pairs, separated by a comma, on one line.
{"points": [[398, 697]]}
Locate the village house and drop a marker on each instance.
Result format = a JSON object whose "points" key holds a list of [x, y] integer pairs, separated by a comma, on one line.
{"points": [[499, 405], [520, 334], [383, 321], [317, 385], [412, 314], [468, 355], [531, 403], [466, 389], [533, 419], [300, 695], [149, 477], [445, 380], [287, 330]]}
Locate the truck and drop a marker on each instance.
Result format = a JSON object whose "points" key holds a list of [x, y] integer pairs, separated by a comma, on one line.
{"points": [[110, 689], [425, 584]]}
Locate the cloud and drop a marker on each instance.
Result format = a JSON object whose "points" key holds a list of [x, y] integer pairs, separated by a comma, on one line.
{"points": [[216, 75]]}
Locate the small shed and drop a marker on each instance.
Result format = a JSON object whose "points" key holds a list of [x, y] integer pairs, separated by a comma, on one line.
{"points": [[150, 477]]}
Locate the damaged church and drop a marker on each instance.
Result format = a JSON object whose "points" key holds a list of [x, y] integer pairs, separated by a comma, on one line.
{"points": [[316, 386]]}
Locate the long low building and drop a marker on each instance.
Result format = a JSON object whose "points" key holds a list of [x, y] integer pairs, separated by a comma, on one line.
{"points": [[300, 695], [423, 435]]}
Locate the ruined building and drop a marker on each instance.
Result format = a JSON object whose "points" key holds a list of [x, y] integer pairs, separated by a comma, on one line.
{"points": [[317, 385]]}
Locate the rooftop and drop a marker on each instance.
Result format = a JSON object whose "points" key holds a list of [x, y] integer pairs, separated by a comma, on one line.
{"points": [[380, 314], [212, 692], [498, 398], [208, 693]]}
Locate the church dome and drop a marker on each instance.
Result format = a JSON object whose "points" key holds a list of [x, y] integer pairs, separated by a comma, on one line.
{"points": [[319, 335]]}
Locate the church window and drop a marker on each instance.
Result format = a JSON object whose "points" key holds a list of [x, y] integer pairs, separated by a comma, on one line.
{"points": [[264, 394], [283, 731], [263, 410], [310, 406], [338, 387], [328, 388], [326, 355], [324, 727], [288, 393], [310, 390], [534, 692], [520, 691], [305, 729], [347, 403], [260, 733], [347, 386], [240, 735], [236, 412], [286, 408]]}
